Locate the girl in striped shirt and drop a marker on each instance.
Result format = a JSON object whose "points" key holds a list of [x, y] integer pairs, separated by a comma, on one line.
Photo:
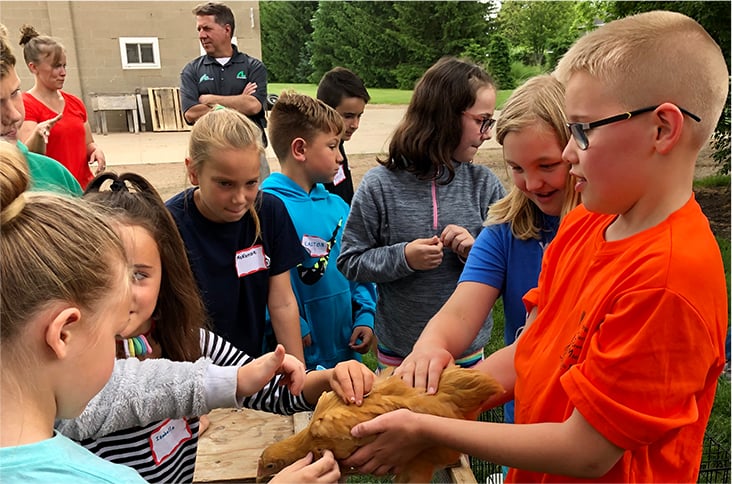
{"points": [[167, 321]]}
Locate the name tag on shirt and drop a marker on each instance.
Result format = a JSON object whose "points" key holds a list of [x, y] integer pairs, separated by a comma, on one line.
{"points": [[251, 260], [315, 246], [168, 437], [340, 176]]}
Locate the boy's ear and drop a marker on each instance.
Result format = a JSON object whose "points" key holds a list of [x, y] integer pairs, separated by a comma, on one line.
{"points": [[670, 126], [298, 147], [192, 175], [59, 331]]}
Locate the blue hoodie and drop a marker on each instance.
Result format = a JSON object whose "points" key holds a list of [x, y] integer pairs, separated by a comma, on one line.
{"points": [[330, 305]]}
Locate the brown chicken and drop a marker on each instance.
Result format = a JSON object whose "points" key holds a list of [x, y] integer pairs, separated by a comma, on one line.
{"points": [[461, 395]]}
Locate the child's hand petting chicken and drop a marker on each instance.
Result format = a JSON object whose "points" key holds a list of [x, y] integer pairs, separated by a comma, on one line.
{"points": [[460, 395]]}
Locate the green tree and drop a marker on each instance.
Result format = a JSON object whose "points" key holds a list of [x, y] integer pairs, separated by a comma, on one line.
{"points": [[715, 18], [286, 29], [426, 31], [535, 26], [355, 35], [499, 62]]}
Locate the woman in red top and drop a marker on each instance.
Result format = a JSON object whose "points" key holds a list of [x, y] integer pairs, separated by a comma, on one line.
{"points": [[64, 133]]}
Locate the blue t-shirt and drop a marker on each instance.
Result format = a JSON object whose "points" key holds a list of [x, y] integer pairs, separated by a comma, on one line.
{"points": [[232, 269], [61, 461], [511, 265]]}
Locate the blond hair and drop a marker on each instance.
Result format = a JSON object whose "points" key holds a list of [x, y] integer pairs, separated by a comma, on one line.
{"points": [[53, 248], [652, 58], [299, 116], [224, 129], [539, 100], [7, 58], [36, 47]]}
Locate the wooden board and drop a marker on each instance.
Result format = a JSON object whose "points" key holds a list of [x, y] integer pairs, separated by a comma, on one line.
{"points": [[165, 109], [228, 451]]}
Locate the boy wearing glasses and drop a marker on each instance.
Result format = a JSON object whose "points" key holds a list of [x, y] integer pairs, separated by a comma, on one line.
{"points": [[614, 376]]}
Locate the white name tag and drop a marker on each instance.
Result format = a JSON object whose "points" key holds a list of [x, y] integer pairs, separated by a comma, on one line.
{"points": [[168, 437], [251, 260], [340, 176], [315, 246]]}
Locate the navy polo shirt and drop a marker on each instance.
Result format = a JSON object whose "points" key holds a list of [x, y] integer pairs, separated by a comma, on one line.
{"points": [[205, 75]]}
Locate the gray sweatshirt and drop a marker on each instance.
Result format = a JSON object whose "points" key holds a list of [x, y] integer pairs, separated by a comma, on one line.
{"points": [[140, 392], [392, 208]]}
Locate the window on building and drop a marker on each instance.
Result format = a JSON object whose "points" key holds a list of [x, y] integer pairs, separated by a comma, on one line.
{"points": [[139, 52]]}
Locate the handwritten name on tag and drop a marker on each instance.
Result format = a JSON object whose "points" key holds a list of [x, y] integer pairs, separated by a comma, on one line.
{"points": [[315, 246], [168, 437], [251, 260]]}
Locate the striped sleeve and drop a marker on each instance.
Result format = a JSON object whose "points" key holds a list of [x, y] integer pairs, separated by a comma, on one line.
{"points": [[273, 398]]}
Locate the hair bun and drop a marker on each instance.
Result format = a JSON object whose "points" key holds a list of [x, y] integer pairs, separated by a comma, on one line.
{"points": [[27, 32], [14, 181]]}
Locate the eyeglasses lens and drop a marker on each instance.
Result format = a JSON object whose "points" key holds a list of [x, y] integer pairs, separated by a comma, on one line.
{"points": [[579, 136]]}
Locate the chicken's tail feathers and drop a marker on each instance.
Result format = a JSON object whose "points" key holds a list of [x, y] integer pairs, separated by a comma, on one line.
{"points": [[468, 388]]}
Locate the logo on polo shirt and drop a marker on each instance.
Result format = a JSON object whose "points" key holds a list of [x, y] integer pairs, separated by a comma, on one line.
{"points": [[205, 78], [241, 75]]}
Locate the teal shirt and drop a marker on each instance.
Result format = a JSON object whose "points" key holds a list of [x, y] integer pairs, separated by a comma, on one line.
{"points": [[61, 461], [48, 174]]}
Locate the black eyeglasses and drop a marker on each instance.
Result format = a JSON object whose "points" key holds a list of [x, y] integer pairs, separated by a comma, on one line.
{"points": [[579, 130], [486, 123]]}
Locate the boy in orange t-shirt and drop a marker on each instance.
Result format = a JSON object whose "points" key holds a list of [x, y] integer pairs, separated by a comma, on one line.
{"points": [[615, 374]]}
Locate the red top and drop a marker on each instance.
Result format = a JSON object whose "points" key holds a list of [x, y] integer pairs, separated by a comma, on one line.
{"points": [[631, 334], [67, 140]]}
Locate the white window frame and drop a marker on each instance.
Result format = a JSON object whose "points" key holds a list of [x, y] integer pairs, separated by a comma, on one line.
{"points": [[123, 41]]}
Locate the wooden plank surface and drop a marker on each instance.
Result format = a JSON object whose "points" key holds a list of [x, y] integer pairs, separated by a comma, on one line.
{"points": [[228, 451], [165, 109]]}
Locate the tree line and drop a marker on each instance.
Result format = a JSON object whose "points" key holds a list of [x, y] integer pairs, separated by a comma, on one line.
{"points": [[391, 43]]}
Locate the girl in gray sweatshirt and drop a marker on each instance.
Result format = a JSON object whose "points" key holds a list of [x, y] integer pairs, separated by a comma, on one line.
{"points": [[414, 219]]}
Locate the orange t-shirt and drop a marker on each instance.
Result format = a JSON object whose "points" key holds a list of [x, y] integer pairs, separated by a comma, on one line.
{"points": [[631, 334]]}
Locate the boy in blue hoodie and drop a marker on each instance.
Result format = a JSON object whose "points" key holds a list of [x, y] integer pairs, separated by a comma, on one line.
{"points": [[336, 315]]}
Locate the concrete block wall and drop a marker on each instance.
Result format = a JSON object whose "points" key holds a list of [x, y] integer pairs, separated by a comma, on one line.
{"points": [[90, 32]]}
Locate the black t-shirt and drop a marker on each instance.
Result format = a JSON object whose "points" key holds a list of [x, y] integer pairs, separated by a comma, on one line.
{"points": [[232, 271]]}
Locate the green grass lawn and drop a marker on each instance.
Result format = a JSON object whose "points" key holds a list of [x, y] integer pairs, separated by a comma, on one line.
{"points": [[378, 96]]}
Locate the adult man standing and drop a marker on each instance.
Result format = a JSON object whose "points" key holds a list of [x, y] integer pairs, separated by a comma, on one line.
{"points": [[223, 76]]}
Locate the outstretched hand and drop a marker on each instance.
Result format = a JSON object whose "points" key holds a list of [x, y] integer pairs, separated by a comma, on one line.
{"points": [[397, 441], [423, 367], [253, 377], [44, 127]]}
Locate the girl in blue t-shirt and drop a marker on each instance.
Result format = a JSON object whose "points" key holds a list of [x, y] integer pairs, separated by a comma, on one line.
{"points": [[65, 295], [505, 260], [240, 242]]}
